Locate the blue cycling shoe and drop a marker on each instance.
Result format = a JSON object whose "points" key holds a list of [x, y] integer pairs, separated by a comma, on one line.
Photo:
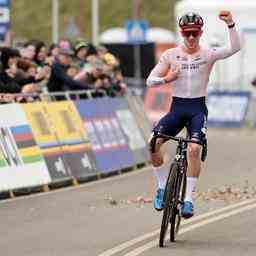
{"points": [[158, 202], [187, 210]]}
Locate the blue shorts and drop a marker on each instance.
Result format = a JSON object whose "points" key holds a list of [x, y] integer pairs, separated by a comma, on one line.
{"points": [[185, 112]]}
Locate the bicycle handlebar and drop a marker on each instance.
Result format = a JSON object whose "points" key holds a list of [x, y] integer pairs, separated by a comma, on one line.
{"points": [[178, 139]]}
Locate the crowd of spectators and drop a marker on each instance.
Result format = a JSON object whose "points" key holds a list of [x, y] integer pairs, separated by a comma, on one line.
{"points": [[32, 67]]}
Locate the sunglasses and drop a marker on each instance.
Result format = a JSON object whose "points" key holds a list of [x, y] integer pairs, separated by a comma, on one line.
{"points": [[189, 33]]}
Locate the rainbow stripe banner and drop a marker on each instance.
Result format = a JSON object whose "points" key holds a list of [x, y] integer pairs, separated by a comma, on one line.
{"points": [[46, 138], [21, 161], [30, 152]]}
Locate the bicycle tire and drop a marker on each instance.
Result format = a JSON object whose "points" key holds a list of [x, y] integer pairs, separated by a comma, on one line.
{"points": [[168, 203], [180, 190]]}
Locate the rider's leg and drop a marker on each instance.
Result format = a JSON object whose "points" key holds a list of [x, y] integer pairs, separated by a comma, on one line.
{"points": [[170, 124], [157, 161], [155, 153], [159, 171], [161, 176], [196, 131], [194, 169]]}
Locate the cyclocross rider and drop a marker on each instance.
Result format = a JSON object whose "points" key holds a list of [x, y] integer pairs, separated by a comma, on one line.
{"points": [[187, 67]]}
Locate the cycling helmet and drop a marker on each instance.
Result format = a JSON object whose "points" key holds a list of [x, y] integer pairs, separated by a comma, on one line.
{"points": [[191, 20]]}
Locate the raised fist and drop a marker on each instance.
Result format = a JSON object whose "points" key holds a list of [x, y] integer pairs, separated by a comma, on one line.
{"points": [[226, 16]]}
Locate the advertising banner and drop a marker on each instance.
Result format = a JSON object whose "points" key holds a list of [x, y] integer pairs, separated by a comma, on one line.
{"points": [[46, 138], [108, 140], [73, 138], [227, 109], [131, 129], [136, 106], [21, 161]]}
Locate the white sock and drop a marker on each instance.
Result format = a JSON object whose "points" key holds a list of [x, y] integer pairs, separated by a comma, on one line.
{"points": [[191, 185], [161, 176]]}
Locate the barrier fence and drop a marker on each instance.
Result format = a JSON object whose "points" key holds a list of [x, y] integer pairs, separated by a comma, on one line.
{"points": [[226, 109], [47, 143], [81, 138]]}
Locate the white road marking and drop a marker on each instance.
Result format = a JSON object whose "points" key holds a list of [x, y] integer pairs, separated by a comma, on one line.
{"points": [[154, 243], [134, 241]]}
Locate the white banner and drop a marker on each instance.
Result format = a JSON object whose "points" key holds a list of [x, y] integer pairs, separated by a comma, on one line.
{"points": [[21, 162], [131, 129]]}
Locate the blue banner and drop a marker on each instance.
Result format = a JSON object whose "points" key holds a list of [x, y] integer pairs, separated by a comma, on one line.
{"points": [[108, 141], [227, 109]]}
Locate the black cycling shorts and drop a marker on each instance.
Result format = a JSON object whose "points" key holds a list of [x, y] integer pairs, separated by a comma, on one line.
{"points": [[185, 112]]}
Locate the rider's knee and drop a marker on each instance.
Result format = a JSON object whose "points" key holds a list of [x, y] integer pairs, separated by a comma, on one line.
{"points": [[154, 146], [154, 143], [194, 151], [158, 164]]}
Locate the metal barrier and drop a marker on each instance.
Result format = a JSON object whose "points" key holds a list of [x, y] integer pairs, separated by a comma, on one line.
{"points": [[50, 96]]}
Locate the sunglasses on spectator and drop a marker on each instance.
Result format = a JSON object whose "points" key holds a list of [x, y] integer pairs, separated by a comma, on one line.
{"points": [[189, 33]]}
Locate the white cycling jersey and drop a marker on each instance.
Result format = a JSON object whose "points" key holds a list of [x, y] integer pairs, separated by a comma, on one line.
{"points": [[194, 68]]}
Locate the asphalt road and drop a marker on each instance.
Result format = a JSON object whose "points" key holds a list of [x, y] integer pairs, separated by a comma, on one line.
{"points": [[96, 218]]}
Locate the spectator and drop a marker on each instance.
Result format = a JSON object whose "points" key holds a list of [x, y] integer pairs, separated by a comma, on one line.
{"points": [[65, 44], [29, 51], [59, 79], [107, 57], [119, 86], [28, 73], [81, 51], [34, 69], [9, 59], [53, 50], [40, 53], [73, 70]]}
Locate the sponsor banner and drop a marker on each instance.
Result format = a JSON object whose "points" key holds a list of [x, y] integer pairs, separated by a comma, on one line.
{"points": [[131, 129], [136, 105], [46, 138], [227, 109], [106, 135], [21, 160], [72, 137]]}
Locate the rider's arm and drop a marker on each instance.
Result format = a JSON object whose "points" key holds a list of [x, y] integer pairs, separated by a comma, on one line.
{"points": [[156, 77], [234, 46]]}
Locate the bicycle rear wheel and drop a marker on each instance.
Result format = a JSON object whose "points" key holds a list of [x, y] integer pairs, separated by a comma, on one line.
{"points": [[168, 202], [180, 190]]}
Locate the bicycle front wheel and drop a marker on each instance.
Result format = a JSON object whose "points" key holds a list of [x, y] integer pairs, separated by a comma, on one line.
{"points": [[169, 197], [180, 189]]}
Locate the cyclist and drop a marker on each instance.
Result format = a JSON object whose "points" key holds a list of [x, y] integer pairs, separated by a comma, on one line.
{"points": [[187, 67]]}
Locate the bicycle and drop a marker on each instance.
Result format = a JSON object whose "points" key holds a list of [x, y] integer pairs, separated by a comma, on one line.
{"points": [[175, 188]]}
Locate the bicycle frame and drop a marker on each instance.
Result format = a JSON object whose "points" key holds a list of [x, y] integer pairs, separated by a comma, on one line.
{"points": [[175, 187]]}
